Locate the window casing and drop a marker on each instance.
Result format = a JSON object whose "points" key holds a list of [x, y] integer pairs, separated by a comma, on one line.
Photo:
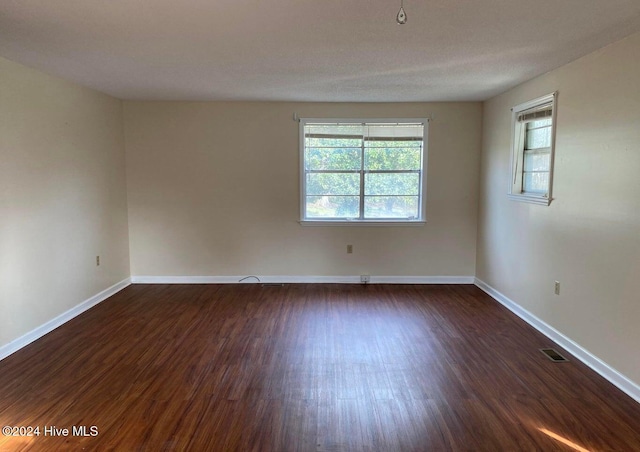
{"points": [[362, 171], [533, 138]]}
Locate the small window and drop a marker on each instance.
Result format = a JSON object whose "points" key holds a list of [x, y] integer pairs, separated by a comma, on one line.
{"points": [[362, 171], [532, 150]]}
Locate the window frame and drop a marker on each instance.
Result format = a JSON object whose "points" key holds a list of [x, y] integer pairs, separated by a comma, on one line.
{"points": [[518, 143], [314, 221]]}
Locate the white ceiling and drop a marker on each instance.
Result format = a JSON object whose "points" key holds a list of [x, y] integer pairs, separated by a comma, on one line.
{"points": [[307, 50]]}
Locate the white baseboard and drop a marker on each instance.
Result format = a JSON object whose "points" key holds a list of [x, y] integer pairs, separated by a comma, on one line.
{"points": [[612, 375], [422, 279], [302, 279], [52, 324]]}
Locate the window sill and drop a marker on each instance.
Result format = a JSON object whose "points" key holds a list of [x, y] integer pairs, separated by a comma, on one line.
{"points": [[362, 223], [530, 199]]}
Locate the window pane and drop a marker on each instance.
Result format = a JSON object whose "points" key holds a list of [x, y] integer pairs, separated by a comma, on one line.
{"points": [[336, 158], [334, 142], [379, 133], [334, 129], [333, 184], [332, 207], [335, 135], [401, 142], [391, 206], [539, 123], [538, 138], [327, 158], [391, 184], [393, 158], [537, 161], [535, 183]]}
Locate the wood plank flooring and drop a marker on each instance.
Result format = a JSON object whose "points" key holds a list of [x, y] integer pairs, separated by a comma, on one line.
{"points": [[307, 368]]}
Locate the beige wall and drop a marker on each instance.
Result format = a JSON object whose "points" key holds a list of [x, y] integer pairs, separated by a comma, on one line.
{"points": [[62, 197], [213, 190], [589, 238]]}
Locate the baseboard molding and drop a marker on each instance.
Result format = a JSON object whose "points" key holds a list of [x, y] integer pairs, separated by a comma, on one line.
{"points": [[52, 324], [422, 279], [301, 279], [612, 375]]}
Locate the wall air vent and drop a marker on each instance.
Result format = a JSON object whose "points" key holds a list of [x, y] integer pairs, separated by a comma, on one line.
{"points": [[553, 355]]}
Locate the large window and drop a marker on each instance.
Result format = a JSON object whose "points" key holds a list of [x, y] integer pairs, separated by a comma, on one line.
{"points": [[362, 171], [532, 150]]}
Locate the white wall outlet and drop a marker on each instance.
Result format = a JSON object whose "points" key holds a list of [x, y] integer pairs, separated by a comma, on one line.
{"points": [[349, 249], [364, 279], [557, 288]]}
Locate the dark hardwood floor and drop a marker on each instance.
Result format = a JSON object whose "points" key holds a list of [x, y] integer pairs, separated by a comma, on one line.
{"points": [[307, 368]]}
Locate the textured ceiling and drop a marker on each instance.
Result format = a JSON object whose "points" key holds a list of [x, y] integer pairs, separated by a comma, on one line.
{"points": [[307, 50]]}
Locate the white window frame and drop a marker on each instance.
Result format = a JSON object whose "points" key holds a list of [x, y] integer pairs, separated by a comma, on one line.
{"points": [[518, 130], [420, 220]]}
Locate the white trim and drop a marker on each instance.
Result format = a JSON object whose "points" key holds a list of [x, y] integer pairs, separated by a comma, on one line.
{"points": [[189, 279], [424, 172], [543, 201], [54, 323], [330, 120], [360, 223], [605, 370], [535, 102], [513, 192], [301, 279], [422, 279], [302, 122], [301, 174]]}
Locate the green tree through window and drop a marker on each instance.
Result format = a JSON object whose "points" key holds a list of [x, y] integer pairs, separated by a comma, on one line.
{"points": [[363, 171]]}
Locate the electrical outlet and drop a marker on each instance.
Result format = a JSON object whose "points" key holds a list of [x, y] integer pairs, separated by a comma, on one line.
{"points": [[98, 260], [364, 279], [349, 249], [557, 288]]}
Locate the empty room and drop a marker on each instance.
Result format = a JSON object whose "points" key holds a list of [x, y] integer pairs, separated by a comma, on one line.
{"points": [[320, 226]]}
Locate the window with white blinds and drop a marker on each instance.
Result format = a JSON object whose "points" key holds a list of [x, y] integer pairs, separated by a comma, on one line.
{"points": [[362, 171], [532, 154]]}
